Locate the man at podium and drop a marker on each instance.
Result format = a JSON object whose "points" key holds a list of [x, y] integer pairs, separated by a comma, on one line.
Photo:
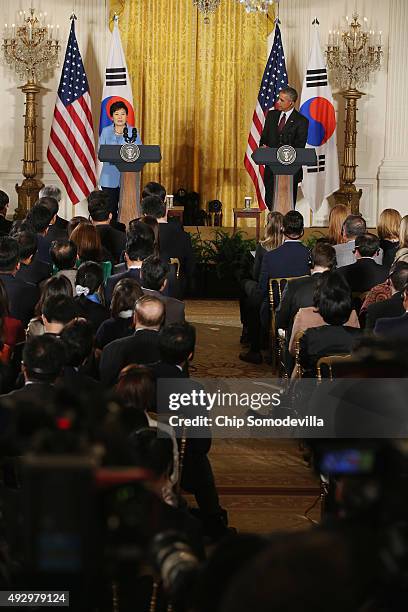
{"points": [[284, 126], [113, 135]]}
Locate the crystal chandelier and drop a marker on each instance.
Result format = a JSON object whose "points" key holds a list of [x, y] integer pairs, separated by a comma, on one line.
{"points": [[257, 6], [206, 7], [30, 46], [354, 53]]}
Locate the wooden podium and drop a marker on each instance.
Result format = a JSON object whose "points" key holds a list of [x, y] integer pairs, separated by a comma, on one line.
{"points": [[129, 203], [284, 162]]}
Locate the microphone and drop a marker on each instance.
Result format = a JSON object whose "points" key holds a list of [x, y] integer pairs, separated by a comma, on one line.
{"points": [[125, 132]]}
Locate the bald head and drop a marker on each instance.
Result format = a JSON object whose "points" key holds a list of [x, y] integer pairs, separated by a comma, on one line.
{"points": [[149, 312]]}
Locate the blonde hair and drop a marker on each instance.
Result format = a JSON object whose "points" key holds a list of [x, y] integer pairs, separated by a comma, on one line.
{"points": [[389, 224], [273, 231], [338, 215], [403, 233]]}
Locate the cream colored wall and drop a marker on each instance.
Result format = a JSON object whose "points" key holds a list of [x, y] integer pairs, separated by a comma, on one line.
{"points": [[93, 37], [383, 123]]}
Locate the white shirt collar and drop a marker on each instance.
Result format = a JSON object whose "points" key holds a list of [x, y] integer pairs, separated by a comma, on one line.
{"points": [[287, 113]]}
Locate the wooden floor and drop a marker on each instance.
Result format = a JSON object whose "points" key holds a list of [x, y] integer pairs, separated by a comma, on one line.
{"points": [[264, 484]]}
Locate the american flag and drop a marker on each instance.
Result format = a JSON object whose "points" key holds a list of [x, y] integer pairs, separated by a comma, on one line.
{"points": [[274, 79], [71, 150]]}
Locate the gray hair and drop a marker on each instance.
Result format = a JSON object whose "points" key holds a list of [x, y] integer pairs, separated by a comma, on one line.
{"points": [[354, 225], [291, 92], [51, 191]]}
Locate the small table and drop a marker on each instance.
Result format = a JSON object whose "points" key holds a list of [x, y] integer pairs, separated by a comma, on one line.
{"points": [[248, 213], [176, 211]]}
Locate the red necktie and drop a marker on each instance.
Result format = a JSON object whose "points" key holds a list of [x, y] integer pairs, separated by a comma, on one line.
{"points": [[282, 123]]}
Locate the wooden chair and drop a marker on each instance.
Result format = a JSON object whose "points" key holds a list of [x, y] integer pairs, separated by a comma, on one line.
{"points": [[330, 362], [174, 261], [277, 343], [298, 370]]}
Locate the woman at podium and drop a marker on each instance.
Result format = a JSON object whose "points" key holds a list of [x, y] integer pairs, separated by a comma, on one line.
{"points": [[113, 135]]}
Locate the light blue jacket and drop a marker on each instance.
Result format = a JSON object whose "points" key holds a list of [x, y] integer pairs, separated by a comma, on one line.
{"points": [[110, 175]]}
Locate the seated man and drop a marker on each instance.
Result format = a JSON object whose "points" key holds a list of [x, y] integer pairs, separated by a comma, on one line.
{"points": [[393, 307], [173, 240], [57, 311], [39, 219], [5, 224], [32, 270], [141, 347], [113, 240], [365, 273], [154, 274], [78, 340], [395, 328], [138, 248], [64, 256], [96, 196], [53, 191], [22, 296], [289, 260], [56, 229], [353, 226]]}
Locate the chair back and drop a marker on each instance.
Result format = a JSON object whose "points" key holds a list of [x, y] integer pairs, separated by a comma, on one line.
{"points": [[174, 261], [330, 362]]}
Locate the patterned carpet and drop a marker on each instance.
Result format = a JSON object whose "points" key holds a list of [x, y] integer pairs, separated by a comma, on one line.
{"points": [[264, 484]]}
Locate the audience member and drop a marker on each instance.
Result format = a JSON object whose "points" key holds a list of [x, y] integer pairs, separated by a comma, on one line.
{"points": [[89, 248], [55, 230], [39, 218], [53, 191], [154, 224], [32, 270], [64, 256], [395, 328], [136, 230], [78, 340], [51, 288], [403, 234], [154, 274], [310, 316], [154, 189], [176, 348], [120, 324], [11, 329], [272, 240], [335, 337], [42, 364], [57, 311], [22, 296], [113, 240], [96, 195], [365, 273], [393, 306], [353, 227], [5, 224], [388, 229], [89, 293], [138, 248], [74, 222], [141, 347], [338, 215], [174, 241]]}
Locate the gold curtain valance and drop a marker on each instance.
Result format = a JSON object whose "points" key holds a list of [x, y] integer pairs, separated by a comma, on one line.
{"points": [[195, 87]]}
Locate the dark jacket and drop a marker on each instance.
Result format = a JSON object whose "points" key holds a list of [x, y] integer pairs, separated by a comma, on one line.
{"points": [[395, 328], [389, 249], [364, 274], [174, 308], [297, 294], [5, 226], [56, 232], [22, 296], [289, 260], [175, 242], [43, 248], [95, 313], [113, 329], [326, 340], [113, 240], [386, 309], [141, 347], [35, 272], [113, 281]]}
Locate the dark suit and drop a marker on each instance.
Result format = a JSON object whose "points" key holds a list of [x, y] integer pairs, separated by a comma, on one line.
{"points": [[395, 328], [22, 296], [113, 240], [95, 313], [386, 309], [118, 226], [43, 248], [171, 289], [141, 347], [5, 226], [35, 272], [289, 260], [175, 242], [294, 133], [364, 274], [113, 281], [174, 308], [56, 232], [326, 340], [297, 294], [113, 329], [61, 223]]}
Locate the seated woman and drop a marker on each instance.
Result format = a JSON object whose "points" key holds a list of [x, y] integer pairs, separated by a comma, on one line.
{"points": [[60, 285], [89, 294], [89, 248], [11, 330], [388, 230], [335, 336], [120, 324], [338, 215], [383, 291]]}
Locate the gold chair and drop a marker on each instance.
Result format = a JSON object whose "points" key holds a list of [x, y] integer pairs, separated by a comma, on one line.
{"points": [[174, 261], [276, 343], [330, 362], [297, 370]]}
